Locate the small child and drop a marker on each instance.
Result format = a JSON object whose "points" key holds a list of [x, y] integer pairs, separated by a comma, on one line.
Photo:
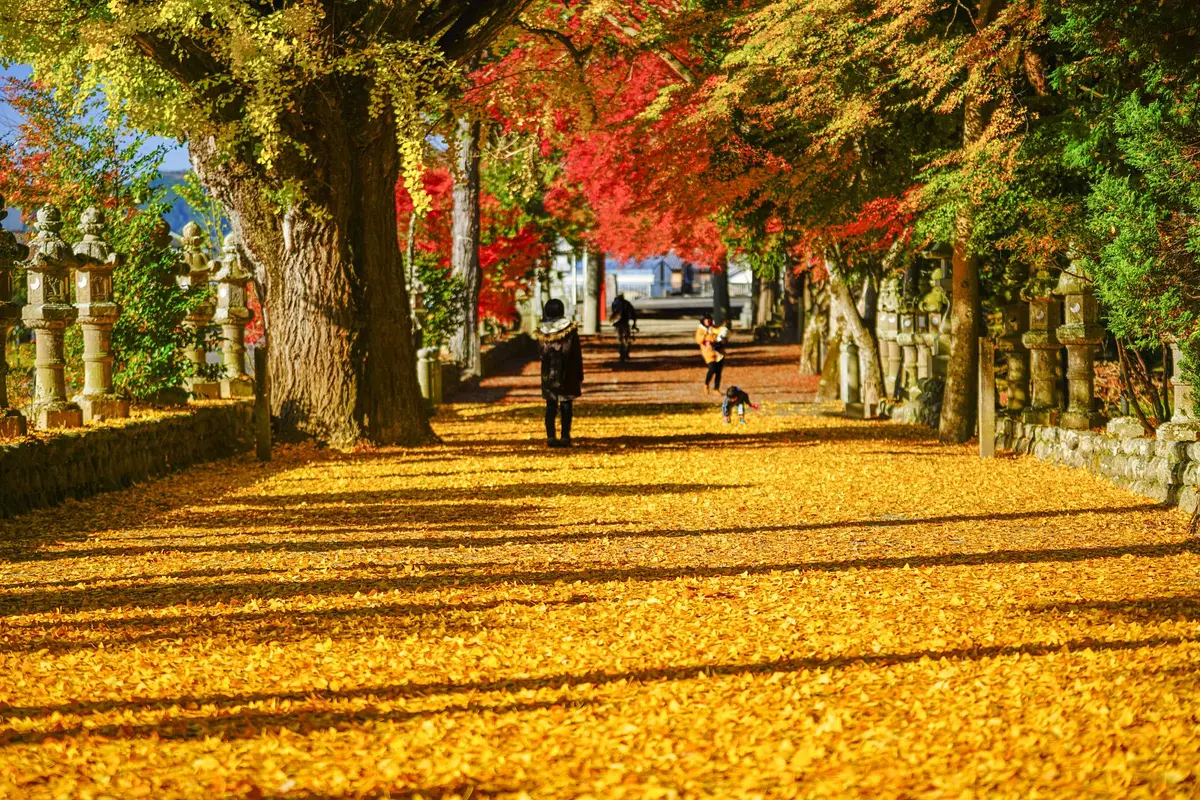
{"points": [[736, 397]]}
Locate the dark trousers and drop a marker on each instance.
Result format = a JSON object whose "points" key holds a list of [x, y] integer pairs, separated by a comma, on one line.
{"points": [[553, 408], [714, 374]]}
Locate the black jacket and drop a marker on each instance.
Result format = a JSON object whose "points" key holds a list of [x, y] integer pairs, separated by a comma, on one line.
{"points": [[623, 312], [562, 359]]}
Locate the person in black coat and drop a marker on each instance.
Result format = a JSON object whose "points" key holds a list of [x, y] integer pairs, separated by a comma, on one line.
{"points": [[562, 369]]}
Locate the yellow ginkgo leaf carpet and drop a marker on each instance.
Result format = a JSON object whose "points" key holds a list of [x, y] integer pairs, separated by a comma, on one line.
{"points": [[802, 607]]}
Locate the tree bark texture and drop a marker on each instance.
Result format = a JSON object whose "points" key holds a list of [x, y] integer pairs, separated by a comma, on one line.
{"points": [[342, 362], [815, 330], [957, 423], [720, 287], [765, 311], [793, 306], [870, 368], [593, 289], [464, 253]]}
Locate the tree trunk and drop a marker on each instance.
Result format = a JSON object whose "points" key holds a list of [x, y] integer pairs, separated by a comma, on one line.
{"points": [[464, 252], [342, 363], [957, 423], [720, 287], [815, 331], [593, 289], [793, 305], [870, 369], [831, 371], [766, 302], [755, 299]]}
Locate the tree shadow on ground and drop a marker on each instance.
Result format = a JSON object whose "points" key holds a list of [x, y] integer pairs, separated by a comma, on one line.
{"points": [[250, 723], [729, 437], [258, 626], [238, 721], [463, 575], [1144, 610], [77, 520], [295, 513]]}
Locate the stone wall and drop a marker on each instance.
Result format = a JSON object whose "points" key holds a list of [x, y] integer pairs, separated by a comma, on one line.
{"points": [[1163, 469], [79, 462]]}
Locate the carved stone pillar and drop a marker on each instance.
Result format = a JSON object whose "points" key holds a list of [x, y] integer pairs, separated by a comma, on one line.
{"points": [[1042, 342], [850, 384], [195, 262], [941, 284], [12, 421], [907, 338], [232, 315], [97, 314], [48, 313], [932, 307], [1184, 426], [1014, 326], [887, 327], [1181, 388], [1080, 333]]}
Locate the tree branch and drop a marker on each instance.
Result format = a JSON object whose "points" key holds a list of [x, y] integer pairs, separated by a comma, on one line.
{"points": [[668, 58]]}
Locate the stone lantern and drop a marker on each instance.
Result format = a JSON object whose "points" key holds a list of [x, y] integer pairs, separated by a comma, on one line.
{"points": [[97, 313], [1080, 334], [942, 281], [232, 315], [1042, 342], [195, 277], [1014, 323], [12, 421], [907, 337], [1183, 426], [1183, 391], [933, 305], [888, 326], [48, 313]]}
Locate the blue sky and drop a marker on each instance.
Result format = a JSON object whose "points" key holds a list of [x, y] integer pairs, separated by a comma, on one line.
{"points": [[177, 157]]}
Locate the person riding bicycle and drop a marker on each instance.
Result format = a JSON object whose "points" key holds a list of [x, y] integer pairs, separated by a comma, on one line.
{"points": [[624, 319]]}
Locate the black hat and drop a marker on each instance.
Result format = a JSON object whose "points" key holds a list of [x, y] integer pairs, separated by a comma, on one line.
{"points": [[553, 310]]}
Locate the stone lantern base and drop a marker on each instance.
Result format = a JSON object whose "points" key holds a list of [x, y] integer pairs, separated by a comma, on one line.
{"points": [[12, 424], [204, 390], [57, 414], [1082, 421], [101, 407], [237, 387], [1041, 416]]}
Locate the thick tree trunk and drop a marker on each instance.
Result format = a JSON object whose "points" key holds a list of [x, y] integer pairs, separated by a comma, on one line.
{"points": [[793, 305], [720, 287], [831, 369], [342, 363], [593, 289], [957, 423], [815, 330], [464, 253], [765, 311], [755, 290], [870, 369]]}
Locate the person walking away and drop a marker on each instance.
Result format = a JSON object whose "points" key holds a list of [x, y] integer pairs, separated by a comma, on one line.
{"points": [[562, 369], [624, 319], [706, 339], [735, 397]]}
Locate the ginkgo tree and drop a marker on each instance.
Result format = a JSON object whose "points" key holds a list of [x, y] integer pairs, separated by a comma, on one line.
{"points": [[300, 117]]}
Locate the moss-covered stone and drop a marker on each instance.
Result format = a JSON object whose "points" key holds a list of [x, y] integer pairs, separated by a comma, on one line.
{"points": [[84, 461]]}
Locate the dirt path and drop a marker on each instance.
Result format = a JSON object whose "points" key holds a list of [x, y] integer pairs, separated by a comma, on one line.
{"points": [[806, 607]]}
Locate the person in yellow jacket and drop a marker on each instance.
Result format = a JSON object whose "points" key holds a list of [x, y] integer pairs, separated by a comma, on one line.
{"points": [[711, 341]]}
